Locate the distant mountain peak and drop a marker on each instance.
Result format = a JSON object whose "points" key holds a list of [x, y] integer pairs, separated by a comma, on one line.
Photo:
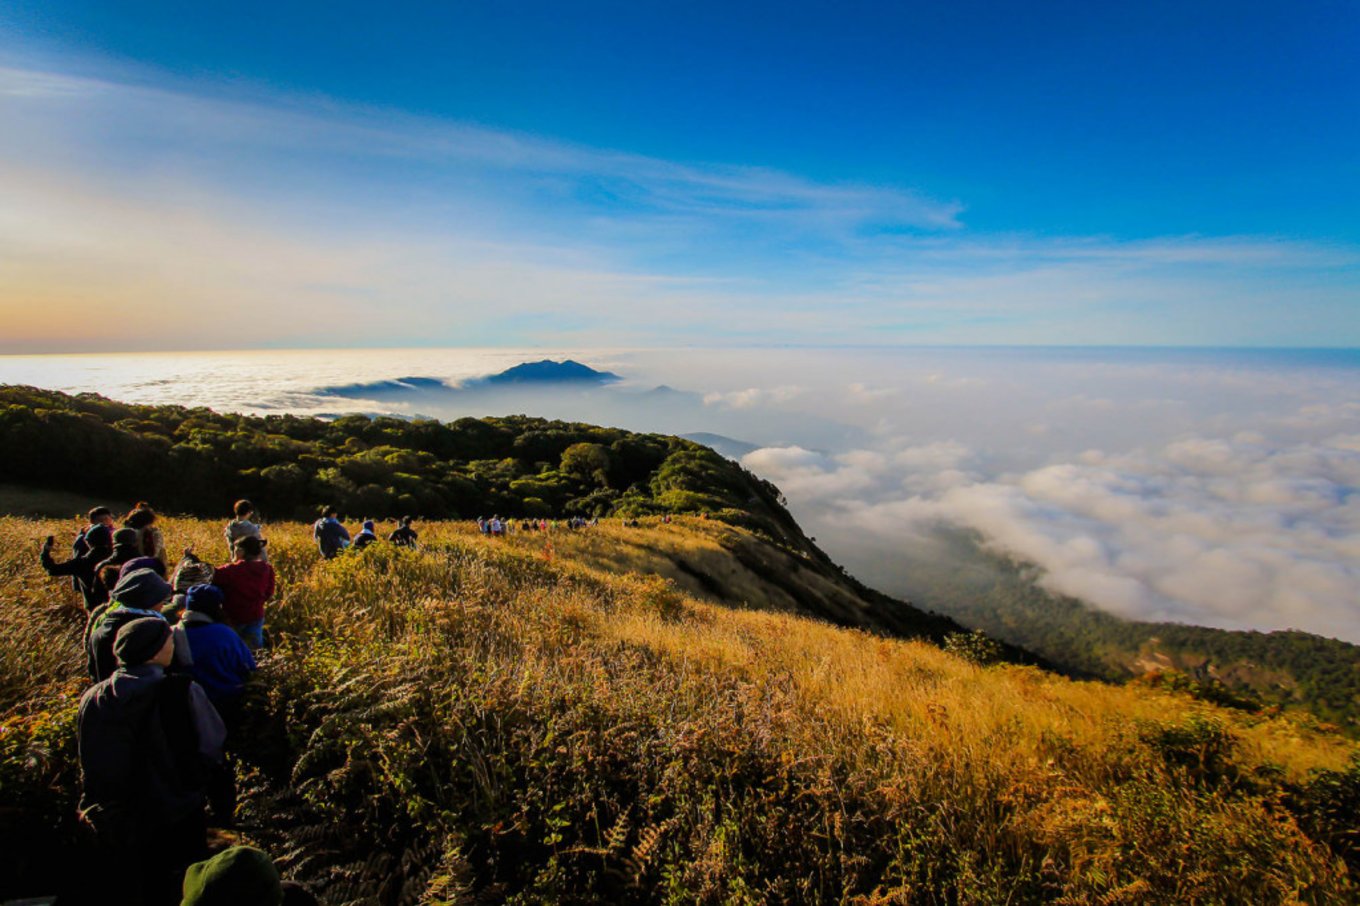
{"points": [[547, 371]]}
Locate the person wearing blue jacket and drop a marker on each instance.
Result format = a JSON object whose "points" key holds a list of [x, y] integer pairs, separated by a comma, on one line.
{"points": [[213, 654], [211, 651], [331, 536]]}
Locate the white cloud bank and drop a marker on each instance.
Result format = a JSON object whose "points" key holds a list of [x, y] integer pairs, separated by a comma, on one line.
{"points": [[1238, 507]]}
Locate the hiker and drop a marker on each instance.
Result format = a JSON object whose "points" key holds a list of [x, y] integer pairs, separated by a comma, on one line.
{"points": [[140, 593], [95, 533], [367, 535], [125, 549], [211, 651], [142, 518], [144, 738], [241, 526], [241, 875], [191, 571], [404, 536], [247, 582], [82, 568], [331, 537]]}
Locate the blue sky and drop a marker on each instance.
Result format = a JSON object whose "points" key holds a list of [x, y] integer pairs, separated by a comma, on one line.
{"points": [[648, 174]]}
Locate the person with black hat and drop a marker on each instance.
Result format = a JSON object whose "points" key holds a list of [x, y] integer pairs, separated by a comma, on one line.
{"points": [[140, 593], [125, 549], [145, 739]]}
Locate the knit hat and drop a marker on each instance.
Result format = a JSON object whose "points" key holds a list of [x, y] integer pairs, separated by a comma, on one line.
{"points": [[192, 572], [141, 589], [98, 536], [205, 599], [140, 640], [239, 876], [125, 537], [137, 563]]}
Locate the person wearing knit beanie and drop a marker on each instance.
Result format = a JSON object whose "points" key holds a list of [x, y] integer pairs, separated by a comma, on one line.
{"points": [[146, 739], [211, 651], [143, 641], [140, 593], [141, 589], [239, 876]]}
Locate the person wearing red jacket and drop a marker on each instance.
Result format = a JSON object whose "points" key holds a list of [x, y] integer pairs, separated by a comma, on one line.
{"points": [[246, 583]]}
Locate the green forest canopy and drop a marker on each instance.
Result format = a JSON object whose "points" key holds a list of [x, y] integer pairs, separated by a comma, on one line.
{"points": [[199, 461]]}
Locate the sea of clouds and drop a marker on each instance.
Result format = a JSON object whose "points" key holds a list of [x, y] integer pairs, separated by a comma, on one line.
{"points": [[1211, 487]]}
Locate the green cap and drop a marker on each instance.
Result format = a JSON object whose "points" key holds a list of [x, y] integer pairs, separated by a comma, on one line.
{"points": [[240, 876]]}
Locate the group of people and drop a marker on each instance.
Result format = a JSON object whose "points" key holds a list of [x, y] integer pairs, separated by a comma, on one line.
{"points": [[497, 527], [332, 538], [168, 659]]}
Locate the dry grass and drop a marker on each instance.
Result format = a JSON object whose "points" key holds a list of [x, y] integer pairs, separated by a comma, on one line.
{"points": [[490, 720]]}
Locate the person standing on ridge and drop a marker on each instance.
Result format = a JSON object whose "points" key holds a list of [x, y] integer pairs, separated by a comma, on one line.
{"points": [[331, 537]]}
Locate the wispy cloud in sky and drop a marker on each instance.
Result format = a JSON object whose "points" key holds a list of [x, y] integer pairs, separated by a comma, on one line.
{"points": [[159, 215]]}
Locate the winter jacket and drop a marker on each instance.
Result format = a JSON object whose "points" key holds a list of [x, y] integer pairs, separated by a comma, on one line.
{"points": [[403, 537], [100, 631], [331, 537], [214, 655], [82, 570], [144, 738], [247, 584]]}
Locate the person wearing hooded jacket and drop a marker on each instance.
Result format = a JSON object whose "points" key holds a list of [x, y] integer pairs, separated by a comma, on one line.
{"points": [[139, 594], [366, 536], [144, 739], [211, 651]]}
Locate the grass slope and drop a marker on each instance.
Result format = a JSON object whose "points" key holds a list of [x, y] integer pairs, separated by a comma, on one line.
{"points": [[480, 722], [1291, 669]]}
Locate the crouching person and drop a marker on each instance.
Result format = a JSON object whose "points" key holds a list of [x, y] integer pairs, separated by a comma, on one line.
{"points": [[146, 738]]}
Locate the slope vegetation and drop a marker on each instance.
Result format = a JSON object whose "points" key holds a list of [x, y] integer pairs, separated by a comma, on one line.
{"points": [[1292, 669], [482, 721]]}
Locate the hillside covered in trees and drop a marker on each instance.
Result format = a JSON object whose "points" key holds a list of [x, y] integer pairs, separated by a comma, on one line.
{"points": [[196, 460]]}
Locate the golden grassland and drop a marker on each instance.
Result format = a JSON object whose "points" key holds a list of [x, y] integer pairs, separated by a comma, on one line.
{"points": [[535, 720]]}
